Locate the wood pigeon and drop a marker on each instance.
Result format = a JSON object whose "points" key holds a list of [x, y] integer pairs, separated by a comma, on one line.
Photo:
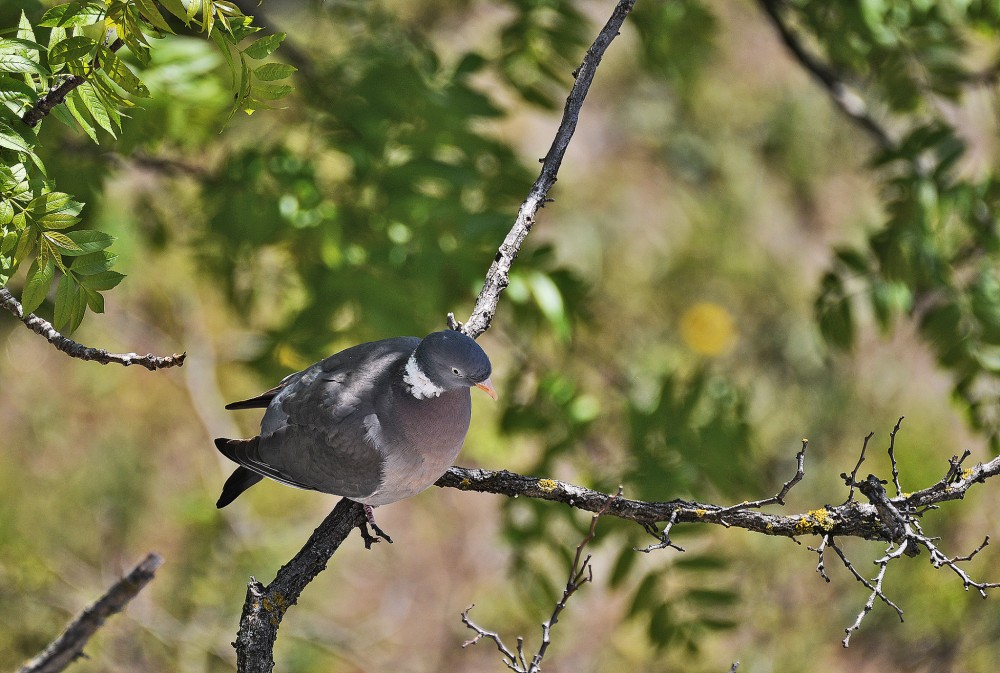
{"points": [[377, 422]]}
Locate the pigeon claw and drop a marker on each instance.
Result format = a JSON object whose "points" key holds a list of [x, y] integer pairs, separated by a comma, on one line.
{"points": [[366, 534]]}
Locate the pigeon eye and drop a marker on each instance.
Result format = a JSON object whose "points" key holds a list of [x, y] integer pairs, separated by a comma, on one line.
{"points": [[454, 370]]}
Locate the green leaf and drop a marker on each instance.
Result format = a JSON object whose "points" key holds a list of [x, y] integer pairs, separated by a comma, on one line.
{"points": [[37, 285], [14, 62], [77, 48], [70, 103], [852, 259], [93, 263], [95, 300], [227, 53], [96, 106], [120, 74], [55, 202], [178, 9], [8, 242], [149, 12], [6, 212], [21, 140], [25, 245], [270, 91], [104, 280], [25, 31], [15, 91], [715, 597], [264, 46], [71, 304], [833, 312], [73, 14], [89, 241], [61, 241], [270, 72]]}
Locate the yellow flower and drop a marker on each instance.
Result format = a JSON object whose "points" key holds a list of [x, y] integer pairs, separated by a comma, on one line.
{"points": [[708, 328]]}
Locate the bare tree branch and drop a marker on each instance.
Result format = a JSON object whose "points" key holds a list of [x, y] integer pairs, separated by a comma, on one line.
{"points": [[852, 519], [498, 276], [77, 350], [68, 647], [265, 606]]}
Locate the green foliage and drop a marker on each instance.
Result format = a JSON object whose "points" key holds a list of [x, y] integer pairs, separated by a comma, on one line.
{"points": [[81, 53], [536, 48], [934, 256]]}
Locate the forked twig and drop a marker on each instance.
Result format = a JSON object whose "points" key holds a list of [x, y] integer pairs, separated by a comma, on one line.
{"points": [[580, 573]]}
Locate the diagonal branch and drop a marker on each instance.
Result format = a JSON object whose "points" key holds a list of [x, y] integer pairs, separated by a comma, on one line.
{"points": [[265, 606], [498, 276], [845, 98], [77, 350], [68, 647]]}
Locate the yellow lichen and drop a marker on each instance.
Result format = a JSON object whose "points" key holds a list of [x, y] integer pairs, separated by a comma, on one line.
{"points": [[815, 521], [966, 473], [823, 519], [466, 483], [700, 513], [547, 485]]}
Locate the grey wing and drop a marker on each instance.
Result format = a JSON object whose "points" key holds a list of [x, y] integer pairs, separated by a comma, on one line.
{"points": [[322, 431]]}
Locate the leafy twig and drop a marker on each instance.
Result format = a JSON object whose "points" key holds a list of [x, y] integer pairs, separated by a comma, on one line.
{"points": [[57, 95], [77, 350]]}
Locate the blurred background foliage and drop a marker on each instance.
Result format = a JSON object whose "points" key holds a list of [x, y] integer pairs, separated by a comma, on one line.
{"points": [[729, 264]]}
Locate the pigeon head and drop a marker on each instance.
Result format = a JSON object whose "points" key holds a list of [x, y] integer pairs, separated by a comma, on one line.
{"points": [[448, 360]]}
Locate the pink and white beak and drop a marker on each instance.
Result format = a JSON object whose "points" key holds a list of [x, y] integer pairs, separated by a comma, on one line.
{"points": [[487, 387]]}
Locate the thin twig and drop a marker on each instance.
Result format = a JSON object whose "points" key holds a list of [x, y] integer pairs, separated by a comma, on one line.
{"points": [[821, 552], [68, 647], [852, 482], [580, 573], [77, 350], [498, 276], [779, 497], [892, 456], [876, 589]]}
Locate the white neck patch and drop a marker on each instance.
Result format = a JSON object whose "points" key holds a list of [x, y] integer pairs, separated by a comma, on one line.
{"points": [[419, 385]]}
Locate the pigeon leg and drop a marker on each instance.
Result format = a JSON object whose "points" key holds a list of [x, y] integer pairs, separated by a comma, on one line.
{"points": [[370, 516]]}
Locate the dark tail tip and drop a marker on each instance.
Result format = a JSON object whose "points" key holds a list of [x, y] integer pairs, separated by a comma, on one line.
{"points": [[240, 480]]}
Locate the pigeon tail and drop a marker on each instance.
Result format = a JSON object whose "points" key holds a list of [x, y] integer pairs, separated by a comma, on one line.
{"points": [[242, 478]]}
